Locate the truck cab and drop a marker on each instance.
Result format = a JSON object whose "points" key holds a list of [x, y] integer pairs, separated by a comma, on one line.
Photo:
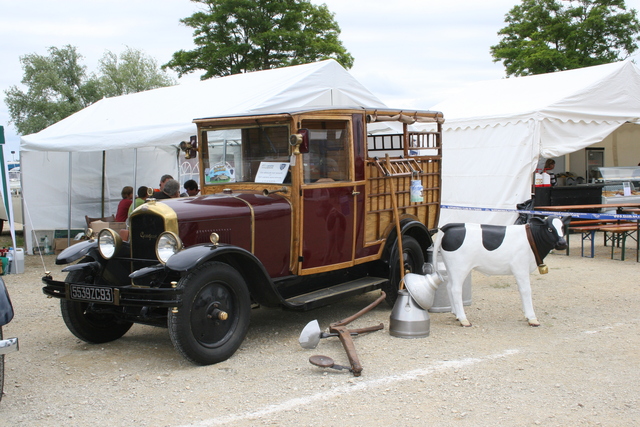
{"points": [[297, 210]]}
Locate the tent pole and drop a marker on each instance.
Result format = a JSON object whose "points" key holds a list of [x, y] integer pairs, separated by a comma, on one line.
{"points": [[69, 202], [104, 165], [6, 191], [135, 173]]}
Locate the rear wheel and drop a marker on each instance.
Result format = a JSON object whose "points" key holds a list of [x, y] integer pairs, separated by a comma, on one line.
{"points": [[215, 313], [90, 322], [413, 260]]}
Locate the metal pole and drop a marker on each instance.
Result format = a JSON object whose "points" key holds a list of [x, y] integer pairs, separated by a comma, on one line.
{"points": [[70, 186], [135, 173]]}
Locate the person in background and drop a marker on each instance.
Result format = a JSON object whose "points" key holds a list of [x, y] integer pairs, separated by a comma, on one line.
{"points": [[163, 182], [123, 206], [170, 190], [192, 188], [548, 167], [142, 197]]}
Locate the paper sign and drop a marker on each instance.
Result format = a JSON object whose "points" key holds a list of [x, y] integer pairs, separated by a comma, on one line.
{"points": [[272, 172], [626, 189]]}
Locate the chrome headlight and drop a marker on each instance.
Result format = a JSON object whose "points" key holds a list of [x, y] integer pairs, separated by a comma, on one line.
{"points": [[168, 243], [109, 243]]}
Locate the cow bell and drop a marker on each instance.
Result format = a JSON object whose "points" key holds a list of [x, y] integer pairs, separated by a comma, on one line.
{"points": [[543, 269]]}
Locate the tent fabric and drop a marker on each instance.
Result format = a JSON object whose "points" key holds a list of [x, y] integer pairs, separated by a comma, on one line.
{"points": [[163, 117], [150, 125], [496, 131], [48, 208]]}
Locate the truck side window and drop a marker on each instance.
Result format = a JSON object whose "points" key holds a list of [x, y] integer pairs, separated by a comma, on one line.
{"points": [[328, 156]]}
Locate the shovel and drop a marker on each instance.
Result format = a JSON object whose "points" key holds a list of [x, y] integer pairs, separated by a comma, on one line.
{"points": [[311, 334], [327, 362]]}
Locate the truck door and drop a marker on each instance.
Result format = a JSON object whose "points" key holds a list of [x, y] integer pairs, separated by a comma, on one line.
{"points": [[328, 200]]}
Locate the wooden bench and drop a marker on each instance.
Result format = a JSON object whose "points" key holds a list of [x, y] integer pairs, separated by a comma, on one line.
{"points": [[587, 228], [619, 230], [619, 234], [89, 220]]}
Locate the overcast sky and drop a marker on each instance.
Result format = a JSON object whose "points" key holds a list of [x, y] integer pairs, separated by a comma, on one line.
{"points": [[409, 53]]}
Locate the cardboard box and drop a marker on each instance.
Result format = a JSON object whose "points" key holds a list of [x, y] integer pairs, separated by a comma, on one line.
{"points": [[96, 226], [61, 243]]}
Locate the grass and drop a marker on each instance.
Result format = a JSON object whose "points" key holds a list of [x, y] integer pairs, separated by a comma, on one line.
{"points": [[5, 239]]}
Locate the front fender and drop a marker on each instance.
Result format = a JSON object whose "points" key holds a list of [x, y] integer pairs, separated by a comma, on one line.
{"points": [[75, 252], [261, 287], [198, 254], [6, 309]]}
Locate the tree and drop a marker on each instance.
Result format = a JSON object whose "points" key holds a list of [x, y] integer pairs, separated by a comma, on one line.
{"points": [[132, 72], [58, 85], [544, 36], [236, 36]]}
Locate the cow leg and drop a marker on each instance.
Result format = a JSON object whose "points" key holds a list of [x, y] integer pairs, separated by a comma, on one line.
{"points": [[454, 286], [524, 287]]}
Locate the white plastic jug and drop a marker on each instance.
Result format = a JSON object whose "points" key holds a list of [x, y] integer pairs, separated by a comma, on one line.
{"points": [[17, 266]]}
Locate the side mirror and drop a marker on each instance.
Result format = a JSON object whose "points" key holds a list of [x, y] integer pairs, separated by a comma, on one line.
{"points": [[300, 141]]}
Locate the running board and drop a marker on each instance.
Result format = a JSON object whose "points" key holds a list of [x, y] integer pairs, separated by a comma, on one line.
{"points": [[333, 293]]}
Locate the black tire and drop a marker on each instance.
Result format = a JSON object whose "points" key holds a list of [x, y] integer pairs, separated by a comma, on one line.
{"points": [[413, 256], [85, 320], [196, 330]]}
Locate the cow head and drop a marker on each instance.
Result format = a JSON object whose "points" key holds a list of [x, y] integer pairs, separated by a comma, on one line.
{"points": [[549, 233]]}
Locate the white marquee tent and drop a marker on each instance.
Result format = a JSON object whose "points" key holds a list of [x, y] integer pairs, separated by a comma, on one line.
{"points": [[135, 137], [495, 132]]}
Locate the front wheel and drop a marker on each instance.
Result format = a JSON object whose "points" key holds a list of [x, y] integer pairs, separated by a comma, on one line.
{"points": [[91, 322], [413, 260], [215, 313]]}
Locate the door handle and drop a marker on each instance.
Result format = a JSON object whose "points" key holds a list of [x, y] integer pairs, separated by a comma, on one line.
{"points": [[355, 193]]}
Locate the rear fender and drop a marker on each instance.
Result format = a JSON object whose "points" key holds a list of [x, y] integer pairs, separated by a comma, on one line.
{"points": [[260, 285], [6, 309], [412, 228]]}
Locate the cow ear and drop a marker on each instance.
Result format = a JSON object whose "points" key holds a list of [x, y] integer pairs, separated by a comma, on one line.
{"points": [[566, 220], [536, 220]]}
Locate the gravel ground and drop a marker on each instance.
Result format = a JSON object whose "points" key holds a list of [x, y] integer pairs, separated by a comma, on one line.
{"points": [[580, 368]]}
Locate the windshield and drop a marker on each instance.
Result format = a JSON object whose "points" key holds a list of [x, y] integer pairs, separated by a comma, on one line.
{"points": [[247, 154]]}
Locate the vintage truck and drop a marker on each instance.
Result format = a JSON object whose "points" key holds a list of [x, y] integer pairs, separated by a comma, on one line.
{"points": [[297, 210]]}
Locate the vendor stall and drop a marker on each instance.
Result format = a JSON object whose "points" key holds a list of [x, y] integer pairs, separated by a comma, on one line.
{"points": [[620, 185]]}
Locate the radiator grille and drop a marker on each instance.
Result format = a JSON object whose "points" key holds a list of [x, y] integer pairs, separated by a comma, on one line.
{"points": [[144, 232]]}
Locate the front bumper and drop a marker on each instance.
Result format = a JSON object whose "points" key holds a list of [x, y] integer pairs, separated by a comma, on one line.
{"points": [[9, 345], [123, 296]]}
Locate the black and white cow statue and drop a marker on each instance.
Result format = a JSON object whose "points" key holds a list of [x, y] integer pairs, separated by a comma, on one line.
{"points": [[492, 250]]}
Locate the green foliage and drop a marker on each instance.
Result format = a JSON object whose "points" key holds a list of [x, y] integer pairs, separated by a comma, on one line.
{"points": [[58, 85], [132, 72], [544, 36], [236, 36]]}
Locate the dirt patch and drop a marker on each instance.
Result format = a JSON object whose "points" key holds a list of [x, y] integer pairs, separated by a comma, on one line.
{"points": [[578, 369]]}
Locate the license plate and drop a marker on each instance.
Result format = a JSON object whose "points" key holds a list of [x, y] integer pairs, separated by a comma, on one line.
{"points": [[90, 293]]}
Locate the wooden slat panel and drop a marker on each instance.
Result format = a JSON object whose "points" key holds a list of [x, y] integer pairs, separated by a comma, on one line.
{"points": [[379, 207]]}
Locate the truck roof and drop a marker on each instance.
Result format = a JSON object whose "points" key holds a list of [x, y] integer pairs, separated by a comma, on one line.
{"points": [[373, 114]]}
